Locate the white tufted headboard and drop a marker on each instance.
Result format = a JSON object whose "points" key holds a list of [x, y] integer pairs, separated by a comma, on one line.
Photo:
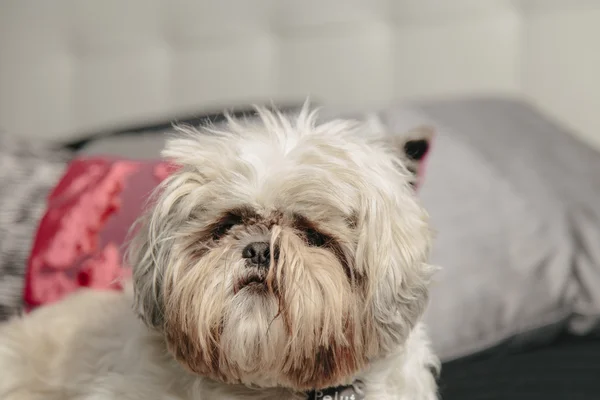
{"points": [[70, 67]]}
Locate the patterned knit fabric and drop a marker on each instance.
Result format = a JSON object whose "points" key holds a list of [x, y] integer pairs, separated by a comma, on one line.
{"points": [[28, 171]]}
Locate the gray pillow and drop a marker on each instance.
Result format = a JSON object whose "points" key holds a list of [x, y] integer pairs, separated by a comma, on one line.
{"points": [[557, 173], [516, 201]]}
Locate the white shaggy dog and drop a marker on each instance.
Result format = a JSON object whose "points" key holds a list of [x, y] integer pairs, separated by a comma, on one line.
{"points": [[285, 259]]}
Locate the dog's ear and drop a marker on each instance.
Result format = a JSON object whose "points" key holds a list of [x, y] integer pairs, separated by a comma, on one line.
{"points": [[393, 248], [411, 147], [414, 144], [395, 238], [142, 257]]}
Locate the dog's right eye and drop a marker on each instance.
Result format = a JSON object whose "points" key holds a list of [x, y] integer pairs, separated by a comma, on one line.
{"points": [[225, 224]]}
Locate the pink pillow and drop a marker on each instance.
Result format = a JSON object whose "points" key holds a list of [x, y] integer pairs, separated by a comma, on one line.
{"points": [[79, 242]]}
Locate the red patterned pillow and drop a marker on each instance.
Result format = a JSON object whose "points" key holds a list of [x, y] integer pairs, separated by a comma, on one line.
{"points": [[80, 240]]}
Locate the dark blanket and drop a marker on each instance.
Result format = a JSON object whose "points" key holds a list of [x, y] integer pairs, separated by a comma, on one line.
{"points": [[567, 369]]}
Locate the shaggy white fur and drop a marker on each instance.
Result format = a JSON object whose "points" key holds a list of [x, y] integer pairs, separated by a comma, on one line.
{"points": [[283, 256]]}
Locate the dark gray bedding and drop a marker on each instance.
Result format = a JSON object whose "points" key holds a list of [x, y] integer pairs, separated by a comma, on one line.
{"points": [[566, 370]]}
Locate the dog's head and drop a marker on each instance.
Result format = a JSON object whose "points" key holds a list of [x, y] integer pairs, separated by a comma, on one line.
{"points": [[284, 252]]}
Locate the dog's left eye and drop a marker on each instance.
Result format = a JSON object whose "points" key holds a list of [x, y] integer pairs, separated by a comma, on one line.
{"points": [[312, 235], [316, 238], [224, 225]]}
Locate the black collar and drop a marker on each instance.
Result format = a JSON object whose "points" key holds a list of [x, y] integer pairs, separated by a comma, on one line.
{"points": [[355, 391]]}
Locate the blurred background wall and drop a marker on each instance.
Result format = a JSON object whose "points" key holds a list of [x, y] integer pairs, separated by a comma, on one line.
{"points": [[69, 67]]}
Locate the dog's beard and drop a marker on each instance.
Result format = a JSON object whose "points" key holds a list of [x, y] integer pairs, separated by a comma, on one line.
{"points": [[298, 325]]}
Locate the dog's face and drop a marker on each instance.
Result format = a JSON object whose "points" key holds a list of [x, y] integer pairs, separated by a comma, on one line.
{"points": [[283, 252]]}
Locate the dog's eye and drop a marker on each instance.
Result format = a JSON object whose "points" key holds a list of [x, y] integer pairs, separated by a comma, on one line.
{"points": [[225, 224], [311, 233], [316, 238]]}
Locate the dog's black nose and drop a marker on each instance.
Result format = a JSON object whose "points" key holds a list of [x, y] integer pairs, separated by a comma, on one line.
{"points": [[258, 254]]}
